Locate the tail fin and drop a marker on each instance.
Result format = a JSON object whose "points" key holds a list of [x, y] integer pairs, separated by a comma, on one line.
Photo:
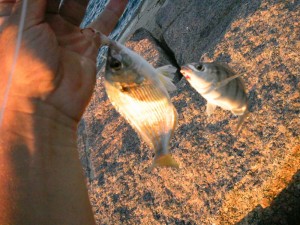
{"points": [[166, 75], [164, 161]]}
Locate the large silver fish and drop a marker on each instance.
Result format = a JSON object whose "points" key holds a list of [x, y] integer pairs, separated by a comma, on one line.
{"points": [[140, 94], [220, 86]]}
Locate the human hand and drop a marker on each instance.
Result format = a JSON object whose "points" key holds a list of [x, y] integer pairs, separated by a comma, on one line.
{"points": [[56, 65]]}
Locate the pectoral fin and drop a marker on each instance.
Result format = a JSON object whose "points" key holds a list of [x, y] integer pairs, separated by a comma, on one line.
{"points": [[167, 70], [226, 81], [210, 108], [166, 75]]}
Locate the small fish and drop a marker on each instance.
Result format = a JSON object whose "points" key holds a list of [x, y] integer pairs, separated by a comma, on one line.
{"points": [[140, 94], [220, 86]]}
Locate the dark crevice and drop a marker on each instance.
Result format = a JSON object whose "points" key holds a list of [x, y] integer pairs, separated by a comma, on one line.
{"points": [[171, 57]]}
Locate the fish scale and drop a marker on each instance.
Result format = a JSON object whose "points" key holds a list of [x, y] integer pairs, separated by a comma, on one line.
{"points": [[152, 117], [232, 95]]}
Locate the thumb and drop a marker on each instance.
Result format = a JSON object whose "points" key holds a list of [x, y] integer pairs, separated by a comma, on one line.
{"points": [[108, 19]]}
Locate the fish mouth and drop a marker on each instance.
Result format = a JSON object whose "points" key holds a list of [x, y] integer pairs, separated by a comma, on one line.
{"points": [[186, 71]]}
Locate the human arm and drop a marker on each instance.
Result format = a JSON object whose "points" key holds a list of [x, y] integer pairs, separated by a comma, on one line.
{"points": [[41, 179]]}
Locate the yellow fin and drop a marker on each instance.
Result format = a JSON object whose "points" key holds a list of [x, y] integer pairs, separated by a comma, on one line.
{"points": [[166, 75], [167, 70], [164, 161]]}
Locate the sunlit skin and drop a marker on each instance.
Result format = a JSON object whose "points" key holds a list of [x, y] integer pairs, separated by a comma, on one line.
{"points": [[41, 179]]}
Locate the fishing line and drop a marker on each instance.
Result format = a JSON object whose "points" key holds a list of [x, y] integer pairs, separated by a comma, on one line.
{"points": [[15, 58]]}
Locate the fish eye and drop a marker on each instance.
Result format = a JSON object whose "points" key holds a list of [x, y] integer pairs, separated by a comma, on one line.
{"points": [[115, 64], [200, 67]]}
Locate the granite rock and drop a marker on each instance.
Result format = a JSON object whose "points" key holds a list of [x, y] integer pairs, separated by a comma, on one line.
{"points": [[252, 178], [193, 28], [145, 44]]}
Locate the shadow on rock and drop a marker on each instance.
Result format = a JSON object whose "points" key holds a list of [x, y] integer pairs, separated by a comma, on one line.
{"points": [[284, 210], [199, 23]]}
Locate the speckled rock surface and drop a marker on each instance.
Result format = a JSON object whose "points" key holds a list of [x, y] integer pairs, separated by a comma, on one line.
{"points": [[144, 44], [252, 178]]}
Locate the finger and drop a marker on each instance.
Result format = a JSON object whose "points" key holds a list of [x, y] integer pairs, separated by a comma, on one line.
{"points": [[110, 16], [53, 6], [6, 8], [73, 10], [35, 11]]}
